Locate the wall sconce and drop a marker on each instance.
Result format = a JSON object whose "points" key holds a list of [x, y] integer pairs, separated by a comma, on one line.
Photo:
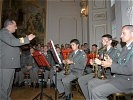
{"points": [[84, 8]]}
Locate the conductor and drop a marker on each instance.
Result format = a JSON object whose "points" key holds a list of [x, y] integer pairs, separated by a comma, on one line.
{"points": [[9, 56]]}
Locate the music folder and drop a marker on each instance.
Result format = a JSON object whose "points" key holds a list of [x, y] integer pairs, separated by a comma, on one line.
{"points": [[54, 52], [40, 59]]}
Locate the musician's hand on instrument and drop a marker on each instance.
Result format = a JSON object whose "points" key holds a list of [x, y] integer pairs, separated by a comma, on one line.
{"points": [[64, 61], [97, 61], [109, 59], [106, 64], [69, 61], [91, 61]]}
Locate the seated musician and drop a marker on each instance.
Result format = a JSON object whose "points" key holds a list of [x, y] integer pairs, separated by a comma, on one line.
{"points": [[59, 67], [91, 55], [65, 52], [76, 62], [123, 69], [49, 73], [112, 52], [28, 64], [86, 48]]}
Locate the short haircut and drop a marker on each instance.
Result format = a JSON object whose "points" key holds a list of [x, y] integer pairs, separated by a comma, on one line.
{"points": [[85, 43], [129, 27], [76, 41], [107, 36], [94, 45], [8, 22], [57, 47], [114, 43]]}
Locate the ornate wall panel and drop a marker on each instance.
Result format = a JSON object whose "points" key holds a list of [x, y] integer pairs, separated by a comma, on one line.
{"points": [[99, 4], [99, 30], [99, 16], [99, 20]]}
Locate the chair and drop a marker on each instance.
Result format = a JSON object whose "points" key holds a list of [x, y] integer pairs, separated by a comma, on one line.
{"points": [[75, 86], [27, 78], [122, 96]]}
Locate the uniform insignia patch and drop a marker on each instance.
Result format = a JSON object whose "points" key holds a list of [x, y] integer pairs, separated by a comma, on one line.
{"points": [[129, 48]]}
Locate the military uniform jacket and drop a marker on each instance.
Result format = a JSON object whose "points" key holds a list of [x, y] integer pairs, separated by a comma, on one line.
{"points": [[80, 61], [123, 69], [31, 61], [113, 53], [9, 50]]}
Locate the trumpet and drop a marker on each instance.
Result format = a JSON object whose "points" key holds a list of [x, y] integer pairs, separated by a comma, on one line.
{"points": [[95, 66], [103, 51]]}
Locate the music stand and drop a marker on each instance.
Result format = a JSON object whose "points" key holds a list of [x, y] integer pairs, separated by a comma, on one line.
{"points": [[42, 62], [57, 60]]}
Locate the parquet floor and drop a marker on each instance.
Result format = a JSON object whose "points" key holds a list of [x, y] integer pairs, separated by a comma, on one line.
{"points": [[27, 93]]}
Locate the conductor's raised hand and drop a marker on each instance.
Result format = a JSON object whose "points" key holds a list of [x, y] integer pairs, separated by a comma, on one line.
{"points": [[31, 36]]}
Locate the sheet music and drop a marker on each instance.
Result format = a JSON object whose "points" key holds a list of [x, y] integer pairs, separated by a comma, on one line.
{"points": [[56, 56]]}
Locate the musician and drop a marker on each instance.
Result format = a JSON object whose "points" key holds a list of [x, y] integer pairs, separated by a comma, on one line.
{"points": [[114, 43], [19, 75], [91, 55], [59, 53], [65, 52], [29, 65], [123, 69], [49, 73], [77, 62], [112, 52], [86, 48]]}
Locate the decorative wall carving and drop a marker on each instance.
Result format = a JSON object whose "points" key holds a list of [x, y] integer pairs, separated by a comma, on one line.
{"points": [[99, 4], [99, 16]]}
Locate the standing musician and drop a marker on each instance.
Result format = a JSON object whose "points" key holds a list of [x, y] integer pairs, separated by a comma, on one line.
{"points": [[112, 52], [123, 69], [77, 62]]}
